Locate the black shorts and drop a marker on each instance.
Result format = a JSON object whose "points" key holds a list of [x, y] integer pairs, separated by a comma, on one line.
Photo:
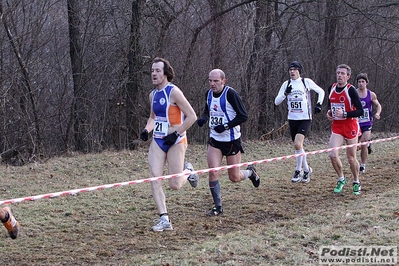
{"points": [[227, 148], [299, 127]]}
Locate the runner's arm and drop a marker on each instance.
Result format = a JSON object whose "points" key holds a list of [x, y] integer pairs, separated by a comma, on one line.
{"points": [[236, 102], [356, 102], [320, 92], [205, 113], [281, 96]]}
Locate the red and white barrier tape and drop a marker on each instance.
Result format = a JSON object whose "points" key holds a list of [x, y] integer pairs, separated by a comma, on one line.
{"points": [[76, 191]]}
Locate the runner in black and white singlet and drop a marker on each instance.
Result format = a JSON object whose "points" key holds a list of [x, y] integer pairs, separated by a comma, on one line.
{"points": [[226, 112], [297, 92]]}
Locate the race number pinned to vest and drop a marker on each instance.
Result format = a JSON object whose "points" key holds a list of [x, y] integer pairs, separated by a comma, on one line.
{"points": [[160, 127], [216, 118]]}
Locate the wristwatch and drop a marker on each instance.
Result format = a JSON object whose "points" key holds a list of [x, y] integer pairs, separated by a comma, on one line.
{"points": [[226, 126]]}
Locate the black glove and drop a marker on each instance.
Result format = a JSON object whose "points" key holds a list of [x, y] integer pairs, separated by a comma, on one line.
{"points": [[288, 90], [201, 122], [219, 128], [144, 135], [171, 138], [317, 108]]}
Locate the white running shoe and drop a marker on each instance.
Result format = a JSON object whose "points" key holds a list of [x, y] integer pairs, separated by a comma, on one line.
{"points": [[306, 175], [362, 169], [162, 224], [193, 179]]}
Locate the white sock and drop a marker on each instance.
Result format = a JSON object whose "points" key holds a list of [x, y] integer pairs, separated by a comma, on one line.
{"points": [[299, 160], [246, 173]]}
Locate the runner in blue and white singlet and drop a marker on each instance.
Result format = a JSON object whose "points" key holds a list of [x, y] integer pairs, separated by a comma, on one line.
{"points": [[166, 114], [169, 143], [226, 112], [222, 112]]}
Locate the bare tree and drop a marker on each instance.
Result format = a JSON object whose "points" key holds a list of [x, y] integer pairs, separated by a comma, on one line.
{"points": [[75, 74], [77, 126], [27, 100], [259, 66], [217, 27], [135, 65]]}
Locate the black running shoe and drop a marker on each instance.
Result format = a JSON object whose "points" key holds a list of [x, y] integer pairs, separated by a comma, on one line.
{"points": [[216, 211], [254, 177], [306, 175], [369, 149], [297, 177], [362, 169]]}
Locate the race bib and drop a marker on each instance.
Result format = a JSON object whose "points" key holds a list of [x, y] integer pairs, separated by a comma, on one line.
{"points": [[296, 105], [160, 127], [215, 119], [365, 117], [334, 107]]}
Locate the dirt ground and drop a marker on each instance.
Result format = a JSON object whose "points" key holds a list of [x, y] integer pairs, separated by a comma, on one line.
{"points": [[260, 226]]}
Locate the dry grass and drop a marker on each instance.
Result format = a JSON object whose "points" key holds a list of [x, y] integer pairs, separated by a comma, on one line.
{"points": [[279, 223]]}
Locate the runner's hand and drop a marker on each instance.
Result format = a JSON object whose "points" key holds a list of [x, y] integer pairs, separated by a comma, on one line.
{"points": [[219, 128], [201, 122], [171, 139], [288, 90], [144, 135], [317, 108]]}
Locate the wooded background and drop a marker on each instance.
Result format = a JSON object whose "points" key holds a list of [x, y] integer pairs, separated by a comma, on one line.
{"points": [[75, 74]]}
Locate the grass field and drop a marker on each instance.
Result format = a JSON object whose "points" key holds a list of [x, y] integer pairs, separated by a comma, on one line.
{"points": [[279, 223]]}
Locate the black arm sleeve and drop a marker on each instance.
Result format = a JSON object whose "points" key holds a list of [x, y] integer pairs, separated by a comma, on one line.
{"points": [[356, 102], [205, 113], [236, 102], [328, 98]]}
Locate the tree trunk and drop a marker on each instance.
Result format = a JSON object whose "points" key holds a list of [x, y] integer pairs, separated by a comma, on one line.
{"points": [[259, 65], [329, 44], [132, 87], [77, 126], [217, 27]]}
